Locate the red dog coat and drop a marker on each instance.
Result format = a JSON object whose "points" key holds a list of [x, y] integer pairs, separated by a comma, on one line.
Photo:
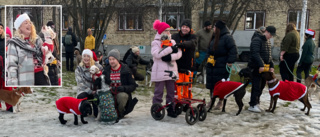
{"points": [[288, 90], [223, 89], [69, 105]]}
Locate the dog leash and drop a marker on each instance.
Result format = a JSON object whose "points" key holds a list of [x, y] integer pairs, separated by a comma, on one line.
{"points": [[290, 70], [229, 69]]}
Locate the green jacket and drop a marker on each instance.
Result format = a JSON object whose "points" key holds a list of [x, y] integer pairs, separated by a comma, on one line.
{"points": [[291, 42], [308, 51]]}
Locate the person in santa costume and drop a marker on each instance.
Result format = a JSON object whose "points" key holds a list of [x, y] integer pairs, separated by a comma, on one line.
{"points": [[307, 56], [25, 57]]}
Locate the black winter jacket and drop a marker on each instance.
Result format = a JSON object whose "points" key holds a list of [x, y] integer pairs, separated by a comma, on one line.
{"points": [[189, 43], [133, 60], [126, 79], [2, 48], [225, 53], [260, 52], [70, 48]]}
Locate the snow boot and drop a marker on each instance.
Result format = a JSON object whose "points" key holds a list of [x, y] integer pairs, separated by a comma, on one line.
{"points": [[171, 112]]}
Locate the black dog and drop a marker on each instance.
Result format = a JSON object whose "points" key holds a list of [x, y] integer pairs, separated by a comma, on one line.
{"points": [[236, 88], [71, 105]]}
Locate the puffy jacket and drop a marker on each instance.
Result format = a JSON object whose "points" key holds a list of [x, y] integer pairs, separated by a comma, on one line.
{"points": [[160, 66], [225, 53], [260, 52], [90, 42], [84, 79], [307, 55], [189, 43], [133, 60]]}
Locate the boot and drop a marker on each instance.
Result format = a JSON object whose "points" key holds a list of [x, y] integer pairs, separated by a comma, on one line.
{"points": [[171, 112]]}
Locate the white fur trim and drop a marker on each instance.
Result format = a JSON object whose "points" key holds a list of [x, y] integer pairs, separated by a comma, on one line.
{"points": [[71, 110], [273, 88], [275, 94], [309, 32], [271, 81], [88, 52], [61, 111], [20, 19], [226, 96], [223, 80], [305, 92]]}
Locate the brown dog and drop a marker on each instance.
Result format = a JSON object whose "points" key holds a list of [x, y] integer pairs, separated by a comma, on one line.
{"points": [[312, 86], [78, 56], [286, 90], [14, 97]]}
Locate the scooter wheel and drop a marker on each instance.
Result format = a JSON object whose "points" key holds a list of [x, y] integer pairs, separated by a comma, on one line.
{"points": [[157, 112]]}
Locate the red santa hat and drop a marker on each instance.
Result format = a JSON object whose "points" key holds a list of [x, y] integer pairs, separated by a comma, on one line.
{"points": [[20, 18], [311, 32], [160, 26], [94, 56]]}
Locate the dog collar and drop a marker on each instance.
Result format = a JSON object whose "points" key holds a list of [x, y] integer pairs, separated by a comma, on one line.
{"points": [[271, 81]]}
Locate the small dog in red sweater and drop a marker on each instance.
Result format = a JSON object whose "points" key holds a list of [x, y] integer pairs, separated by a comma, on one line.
{"points": [[72, 105]]}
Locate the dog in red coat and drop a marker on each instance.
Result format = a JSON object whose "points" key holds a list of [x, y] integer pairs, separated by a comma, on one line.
{"points": [[72, 105], [286, 90], [223, 89]]}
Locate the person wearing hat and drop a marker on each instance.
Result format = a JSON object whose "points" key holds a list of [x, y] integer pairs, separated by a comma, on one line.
{"points": [[164, 59], [260, 55], [90, 41], [69, 42], [133, 61], [289, 54], [24, 56], [203, 39], [100, 57], [307, 56], [84, 79], [119, 77], [223, 50], [187, 42]]}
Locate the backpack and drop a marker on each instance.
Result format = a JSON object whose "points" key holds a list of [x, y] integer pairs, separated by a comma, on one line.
{"points": [[107, 107], [68, 39]]}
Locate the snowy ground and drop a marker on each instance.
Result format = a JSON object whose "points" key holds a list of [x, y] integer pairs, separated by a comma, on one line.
{"points": [[40, 118]]}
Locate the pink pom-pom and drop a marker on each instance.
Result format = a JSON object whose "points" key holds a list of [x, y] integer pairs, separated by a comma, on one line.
{"points": [[156, 24]]}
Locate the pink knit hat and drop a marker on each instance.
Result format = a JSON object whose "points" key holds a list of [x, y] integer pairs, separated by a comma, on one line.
{"points": [[8, 32], [160, 26]]}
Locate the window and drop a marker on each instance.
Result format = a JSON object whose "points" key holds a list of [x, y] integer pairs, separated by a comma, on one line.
{"points": [[130, 21], [173, 16], [254, 19], [294, 16], [65, 23]]}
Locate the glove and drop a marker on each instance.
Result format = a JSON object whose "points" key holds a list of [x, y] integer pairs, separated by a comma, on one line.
{"points": [[179, 45], [197, 54], [166, 58], [174, 49]]}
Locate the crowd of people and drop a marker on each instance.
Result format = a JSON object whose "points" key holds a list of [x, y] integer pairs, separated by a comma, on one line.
{"points": [[183, 53]]}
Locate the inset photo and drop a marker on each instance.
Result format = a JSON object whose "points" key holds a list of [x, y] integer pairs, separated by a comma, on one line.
{"points": [[33, 49]]}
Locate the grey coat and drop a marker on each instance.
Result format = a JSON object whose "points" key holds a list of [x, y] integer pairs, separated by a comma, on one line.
{"points": [[84, 79], [20, 63]]}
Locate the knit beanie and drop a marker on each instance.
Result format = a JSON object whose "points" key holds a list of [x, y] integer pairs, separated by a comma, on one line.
{"points": [[114, 53], [88, 52], [135, 49], [20, 18], [186, 22], [220, 24], [207, 23], [8, 32], [1, 24], [160, 26]]}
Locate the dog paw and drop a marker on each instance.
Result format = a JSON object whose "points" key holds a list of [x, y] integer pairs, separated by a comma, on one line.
{"points": [[306, 114], [302, 109], [63, 122], [268, 110], [85, 122], [75, 123]]}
